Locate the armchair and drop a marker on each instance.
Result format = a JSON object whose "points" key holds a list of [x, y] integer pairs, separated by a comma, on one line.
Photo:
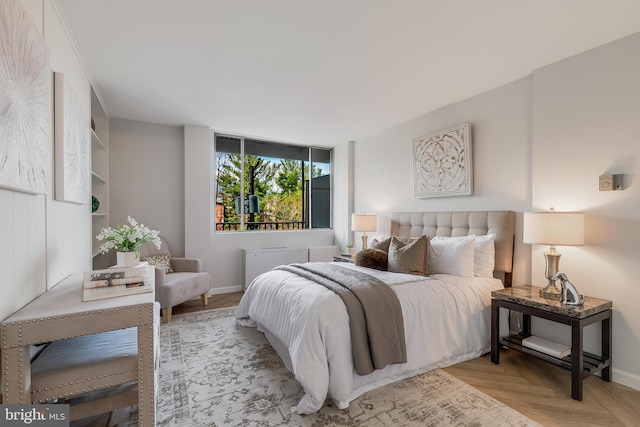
{"points": [[178, 280]]}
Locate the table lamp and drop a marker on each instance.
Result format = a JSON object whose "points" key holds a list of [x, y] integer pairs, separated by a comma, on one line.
{"points": [[553, 228], [364, 222]]}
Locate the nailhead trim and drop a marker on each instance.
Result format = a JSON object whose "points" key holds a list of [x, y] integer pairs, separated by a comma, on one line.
{"points": [[74, 391], [34, 323], [142, 313]]}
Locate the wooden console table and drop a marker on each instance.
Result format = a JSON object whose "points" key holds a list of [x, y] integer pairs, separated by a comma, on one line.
{"points": [[527, 300], [60, 314]]}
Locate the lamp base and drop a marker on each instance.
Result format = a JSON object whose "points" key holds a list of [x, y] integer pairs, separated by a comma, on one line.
{"points": [[551, 292], [552, 261], [364, 241]]}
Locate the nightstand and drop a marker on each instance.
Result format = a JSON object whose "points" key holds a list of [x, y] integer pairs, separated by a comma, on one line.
{"points": [[343, 258], [527, 300]]}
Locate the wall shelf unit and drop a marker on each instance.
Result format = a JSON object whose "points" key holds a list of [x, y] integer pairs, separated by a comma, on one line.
{"points": [[99, 177]]}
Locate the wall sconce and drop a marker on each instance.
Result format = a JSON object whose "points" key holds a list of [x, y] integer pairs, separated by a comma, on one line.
{"points": [[611, 182], [364, 222], [553, 228]]}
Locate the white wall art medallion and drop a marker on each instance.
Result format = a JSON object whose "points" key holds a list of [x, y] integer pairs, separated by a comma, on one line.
{"points": [[25, 102], [72, 144], [442, 164]]}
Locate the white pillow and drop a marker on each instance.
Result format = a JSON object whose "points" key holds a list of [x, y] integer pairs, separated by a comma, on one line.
{"points": [[451, 255], [484, 255]]}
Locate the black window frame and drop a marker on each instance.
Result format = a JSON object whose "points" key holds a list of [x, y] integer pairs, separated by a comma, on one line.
{"points": [[317, 193]]}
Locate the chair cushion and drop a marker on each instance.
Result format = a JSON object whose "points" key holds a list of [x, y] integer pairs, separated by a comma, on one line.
{"points": [[75, 366], [91, 362], [182, 286]]}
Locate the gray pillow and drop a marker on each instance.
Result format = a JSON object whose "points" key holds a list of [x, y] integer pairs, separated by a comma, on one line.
{"points": [[408, 257], [383, 244]]}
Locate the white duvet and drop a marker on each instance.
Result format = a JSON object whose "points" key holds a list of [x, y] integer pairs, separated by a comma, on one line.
{"points": [[446, 321]]}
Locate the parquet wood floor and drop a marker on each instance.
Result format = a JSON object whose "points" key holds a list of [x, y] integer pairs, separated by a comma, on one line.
{"points": [[532, 387], [542, 392]]}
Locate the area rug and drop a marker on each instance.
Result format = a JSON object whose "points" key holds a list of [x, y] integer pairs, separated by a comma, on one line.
{"points": [[214, 372]]}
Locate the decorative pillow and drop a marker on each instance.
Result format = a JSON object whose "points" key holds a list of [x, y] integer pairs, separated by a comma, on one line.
{"points": [[452, 255], [372, 258], [161, 260], [484, 255], [383, 244], [408, 257]]}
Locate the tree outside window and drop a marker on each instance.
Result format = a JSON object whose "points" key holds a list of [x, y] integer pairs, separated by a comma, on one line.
{"points": [[262, 185]]}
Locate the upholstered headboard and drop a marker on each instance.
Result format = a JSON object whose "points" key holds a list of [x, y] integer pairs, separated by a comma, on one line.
{"points": [[415, 224]]}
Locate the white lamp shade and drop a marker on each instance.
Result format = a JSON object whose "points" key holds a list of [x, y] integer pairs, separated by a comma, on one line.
{"points": [[553, 228], [364, 222]]}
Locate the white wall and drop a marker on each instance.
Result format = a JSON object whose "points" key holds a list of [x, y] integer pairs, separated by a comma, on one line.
{"points": [[43, 240], [542, 142], [501, 139], [162, 176], [68, 225], [342, 186], [221, 253], [146, 178], [586, 124], [225, 252], [200, 184]]}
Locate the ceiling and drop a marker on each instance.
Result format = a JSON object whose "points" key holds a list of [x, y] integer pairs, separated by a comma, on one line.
{"points": [[322, 72]]}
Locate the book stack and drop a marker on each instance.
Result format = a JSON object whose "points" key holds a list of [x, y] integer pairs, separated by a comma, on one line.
{"points": [[546, 346], [114, 282]]}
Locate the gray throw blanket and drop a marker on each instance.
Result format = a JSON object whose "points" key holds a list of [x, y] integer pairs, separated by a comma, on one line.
{"points": [[375, 314]]}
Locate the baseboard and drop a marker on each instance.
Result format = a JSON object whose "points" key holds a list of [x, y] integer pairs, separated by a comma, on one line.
{"points": [[626, 378], [225, 290]]}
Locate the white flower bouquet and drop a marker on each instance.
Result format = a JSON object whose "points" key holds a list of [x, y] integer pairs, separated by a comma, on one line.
{"points": [[127, 238]]}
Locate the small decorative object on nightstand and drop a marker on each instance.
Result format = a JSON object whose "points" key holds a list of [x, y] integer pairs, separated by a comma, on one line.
{"points": [[351, 249], [527, 300], [570, 295]]}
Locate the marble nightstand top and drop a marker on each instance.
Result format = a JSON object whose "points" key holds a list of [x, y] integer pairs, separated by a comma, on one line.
{"points": [[530, 296]]}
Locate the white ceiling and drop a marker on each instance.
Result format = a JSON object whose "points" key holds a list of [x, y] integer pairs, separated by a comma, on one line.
{"points": [[322, 71]]}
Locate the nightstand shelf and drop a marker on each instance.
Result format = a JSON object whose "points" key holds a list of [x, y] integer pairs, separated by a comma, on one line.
{"points": [[526, 299], [343, 258], [591, 362]]}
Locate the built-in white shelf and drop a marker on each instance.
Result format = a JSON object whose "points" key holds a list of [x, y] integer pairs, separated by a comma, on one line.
{"points": [[99, 177], [96, 141]]}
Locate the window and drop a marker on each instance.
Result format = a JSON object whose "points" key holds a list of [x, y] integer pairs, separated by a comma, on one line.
{"points": [[262, 185]]}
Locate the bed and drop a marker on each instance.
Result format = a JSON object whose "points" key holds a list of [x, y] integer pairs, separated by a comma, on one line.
{"points": [[446, 314]]}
